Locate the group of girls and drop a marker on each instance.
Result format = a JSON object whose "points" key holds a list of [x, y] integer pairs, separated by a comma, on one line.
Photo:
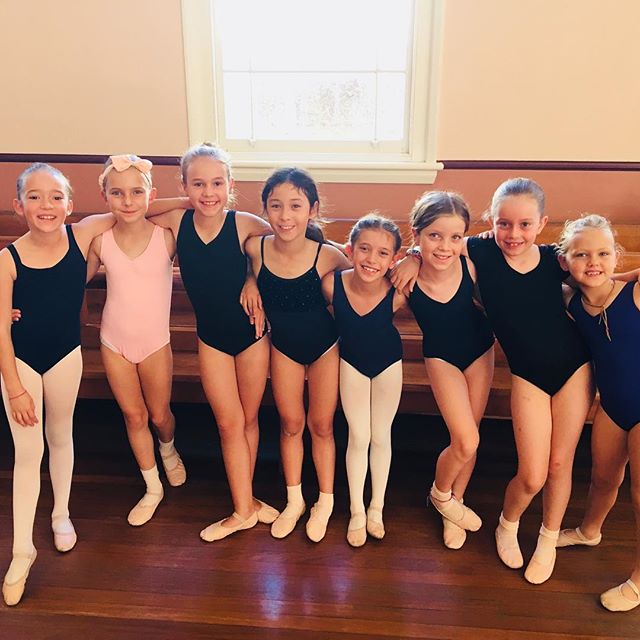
{"points": [[283, 268]]}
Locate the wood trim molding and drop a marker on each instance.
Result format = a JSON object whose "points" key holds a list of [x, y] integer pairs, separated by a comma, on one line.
{"points": [[505, 165]]}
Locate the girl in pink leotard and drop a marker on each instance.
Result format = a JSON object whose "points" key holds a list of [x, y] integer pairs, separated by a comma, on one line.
{"points": [[134, 335]]}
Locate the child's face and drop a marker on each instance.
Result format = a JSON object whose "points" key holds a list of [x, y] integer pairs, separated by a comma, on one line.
{"points": [[44, 202], [516, 224], [128, 194], [591, 257], [442, 241], [289, 211], [372, 254], [207, 185]]}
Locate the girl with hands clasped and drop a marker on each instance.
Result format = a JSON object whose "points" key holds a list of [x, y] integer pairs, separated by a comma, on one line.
{"points": [[607, 314], [289, 267], [457, 348], [43, 274], [364, 302], [134, 331], [232, 351]]}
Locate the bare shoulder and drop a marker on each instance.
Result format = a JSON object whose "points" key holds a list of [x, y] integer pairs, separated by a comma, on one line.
{"points": [[636, 294], [7, 264], [332, 259], [327, 286]]}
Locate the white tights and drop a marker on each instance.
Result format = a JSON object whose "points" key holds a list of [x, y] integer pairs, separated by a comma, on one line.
{"points": [[59, 389], [369, 406]]}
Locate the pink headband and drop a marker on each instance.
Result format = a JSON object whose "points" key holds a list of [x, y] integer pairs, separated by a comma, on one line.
{"points": [[122, 163]]}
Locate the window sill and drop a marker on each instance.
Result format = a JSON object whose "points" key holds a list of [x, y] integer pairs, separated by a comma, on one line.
{"points": [[355, 172]]}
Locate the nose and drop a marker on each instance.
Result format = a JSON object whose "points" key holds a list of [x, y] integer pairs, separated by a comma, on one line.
{"points": [[127, 197]]}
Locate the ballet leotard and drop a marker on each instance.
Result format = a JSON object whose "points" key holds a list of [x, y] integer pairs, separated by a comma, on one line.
{"points": [[617, 367], [528, 315], [301, 326], [369, 343], [455, 331], [50, 300], [213, 274]]}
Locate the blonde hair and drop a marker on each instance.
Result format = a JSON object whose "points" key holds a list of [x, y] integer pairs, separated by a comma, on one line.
{"points": [[47, 168], [585, 221], [204, 150]]}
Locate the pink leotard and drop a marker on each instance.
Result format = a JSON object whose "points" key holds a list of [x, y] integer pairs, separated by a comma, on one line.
{"points": [[135, 319]]}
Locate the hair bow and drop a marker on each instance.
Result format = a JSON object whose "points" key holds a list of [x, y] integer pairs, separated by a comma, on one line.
{"points": [[123, 162]]}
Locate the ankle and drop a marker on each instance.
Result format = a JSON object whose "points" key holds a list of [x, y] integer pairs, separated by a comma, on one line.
{"points": [[440, 496]]}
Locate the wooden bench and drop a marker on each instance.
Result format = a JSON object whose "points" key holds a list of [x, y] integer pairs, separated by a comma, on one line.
{"points": [[417, 396]]}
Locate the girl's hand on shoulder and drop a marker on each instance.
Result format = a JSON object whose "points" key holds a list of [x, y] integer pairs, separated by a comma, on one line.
{"points": [[405, 273], [251, 226], [252, 304], [23, 410], [485, 235], [16, 314]]}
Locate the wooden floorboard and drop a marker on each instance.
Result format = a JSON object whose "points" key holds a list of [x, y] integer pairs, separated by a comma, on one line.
{"points": [[161, 581]]}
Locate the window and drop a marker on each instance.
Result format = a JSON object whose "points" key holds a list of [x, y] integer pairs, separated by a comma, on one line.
{"points": [[346, 88]]}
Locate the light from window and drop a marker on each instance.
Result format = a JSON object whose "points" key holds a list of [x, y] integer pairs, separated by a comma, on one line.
{"points": [[336, 70]]}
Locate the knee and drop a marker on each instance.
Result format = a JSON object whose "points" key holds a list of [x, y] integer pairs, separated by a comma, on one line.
{"points": [[291, 426], [230, 427], [465, 448], [359, 440], [29, 454], [322, 429], [606, 482], [136, 419], [161, 417], [532, 482], [61, 437]]}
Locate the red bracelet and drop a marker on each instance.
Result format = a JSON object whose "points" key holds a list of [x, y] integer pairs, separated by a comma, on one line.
{"points": [[20, 394]]}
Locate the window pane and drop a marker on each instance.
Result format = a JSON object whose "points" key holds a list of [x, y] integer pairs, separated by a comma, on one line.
{"points": [[237, 99], [320, 106], [391, 106]]}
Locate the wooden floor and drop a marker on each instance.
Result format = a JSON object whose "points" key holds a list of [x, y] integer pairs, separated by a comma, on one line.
{"points": [[161, 581]]}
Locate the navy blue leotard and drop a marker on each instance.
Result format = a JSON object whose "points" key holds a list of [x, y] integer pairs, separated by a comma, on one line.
{"points": [[50, 300], [213, 274], [528, 315], [617, 361], [301, 326], [369, 343], [455, 331]]}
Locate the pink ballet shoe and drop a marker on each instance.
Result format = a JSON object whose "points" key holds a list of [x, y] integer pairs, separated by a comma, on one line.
{"points": [[12, 592], [216, 531], [615, 600]]}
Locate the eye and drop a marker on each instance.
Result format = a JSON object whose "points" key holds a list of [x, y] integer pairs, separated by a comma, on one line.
{"points": [[433, 235], [456, 237], [605, 254], [525, 225], [502, 224], [218, 183], [32, 196]]}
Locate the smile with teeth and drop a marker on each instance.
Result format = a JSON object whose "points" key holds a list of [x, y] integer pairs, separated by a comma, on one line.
{"points": [[441, 257], [593, 273], [45, 217], [367, 269]]}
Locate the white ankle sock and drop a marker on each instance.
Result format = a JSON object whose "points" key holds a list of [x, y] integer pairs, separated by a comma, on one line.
{"points": [[168, 453], [294, 501], [324, 505], [507, 543], [152, 480]]}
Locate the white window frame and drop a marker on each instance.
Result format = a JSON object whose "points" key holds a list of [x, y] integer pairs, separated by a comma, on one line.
{"points": [[418, 166]]}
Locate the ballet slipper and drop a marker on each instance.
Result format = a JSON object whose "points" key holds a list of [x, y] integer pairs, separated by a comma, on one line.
{"points": [[507, 543], [266, 513], [177, 474], [144, 510], [543, 561], [317, 524], [453, 536], [575, 537], [615, 600], [357, 529], [452, 509], [63, 540], [12, 592], [375, 524], [286, 522], [216, 531]]}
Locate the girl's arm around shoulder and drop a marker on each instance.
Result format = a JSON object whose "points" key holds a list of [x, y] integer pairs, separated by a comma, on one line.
{"points": [[627, 276], [251, 226], [168, 220], [88, 228], [252, 250], [93, 258], [472, 269], [331, 259], [164, 205]]}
